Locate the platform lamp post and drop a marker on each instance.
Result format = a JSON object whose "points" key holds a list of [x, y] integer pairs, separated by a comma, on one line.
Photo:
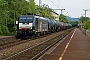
{"points": [[85, 20]]}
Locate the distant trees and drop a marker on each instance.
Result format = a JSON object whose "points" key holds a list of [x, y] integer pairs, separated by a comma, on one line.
{"points": [[82, 19], [74, 23], [85, 21]]}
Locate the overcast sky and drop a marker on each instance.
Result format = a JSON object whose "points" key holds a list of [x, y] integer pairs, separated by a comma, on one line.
{"points": [[73, 7]]}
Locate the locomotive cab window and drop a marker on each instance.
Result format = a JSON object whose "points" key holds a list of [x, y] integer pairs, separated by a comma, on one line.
{"points": [[26, 20]]}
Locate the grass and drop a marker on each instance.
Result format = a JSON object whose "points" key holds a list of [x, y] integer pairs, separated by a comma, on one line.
{"points": [[9, 53], [0, 57], [89, 29]]}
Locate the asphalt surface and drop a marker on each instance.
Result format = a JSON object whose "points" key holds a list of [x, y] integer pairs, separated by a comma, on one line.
{"points": [[76, 46]]}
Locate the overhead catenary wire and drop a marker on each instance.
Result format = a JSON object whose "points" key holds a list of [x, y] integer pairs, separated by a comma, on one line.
{"points": [[53, 3], [58, 7], [60, 4]]}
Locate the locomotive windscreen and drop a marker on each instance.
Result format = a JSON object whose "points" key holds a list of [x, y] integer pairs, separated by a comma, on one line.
{"points": [[25, 19]]}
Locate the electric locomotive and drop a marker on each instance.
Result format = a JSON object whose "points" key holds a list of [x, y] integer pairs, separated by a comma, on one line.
{"points": [[31, 25]]}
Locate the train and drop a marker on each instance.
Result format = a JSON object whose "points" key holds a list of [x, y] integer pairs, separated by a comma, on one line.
{"points": [[34, 25]]}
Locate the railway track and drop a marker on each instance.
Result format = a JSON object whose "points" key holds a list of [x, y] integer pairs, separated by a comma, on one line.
{"points": [[38, 49], [7, 40], [12, 42]]}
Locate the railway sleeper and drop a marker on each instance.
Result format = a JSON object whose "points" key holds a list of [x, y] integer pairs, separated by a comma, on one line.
{"points": [[27, 56], [37, 49]]}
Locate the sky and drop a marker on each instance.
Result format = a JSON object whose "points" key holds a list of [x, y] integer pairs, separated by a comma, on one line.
{"points": [[73, 8]]}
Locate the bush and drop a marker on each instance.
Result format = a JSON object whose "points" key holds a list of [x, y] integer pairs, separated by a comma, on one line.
{"points": [[1, 31], [5, 30]]}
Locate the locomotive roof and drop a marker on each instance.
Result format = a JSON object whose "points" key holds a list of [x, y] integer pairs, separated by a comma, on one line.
{"points": [[33, 16]]}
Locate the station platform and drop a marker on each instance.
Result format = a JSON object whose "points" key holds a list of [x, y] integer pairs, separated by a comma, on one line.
{"points": [[76, 46]]}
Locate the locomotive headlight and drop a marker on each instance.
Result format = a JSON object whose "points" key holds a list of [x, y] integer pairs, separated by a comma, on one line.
{"points": [[20, 27], [31, 28]]}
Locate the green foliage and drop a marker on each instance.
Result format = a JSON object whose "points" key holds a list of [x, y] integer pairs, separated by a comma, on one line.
{"points": [[87, 20], [5, 30], [74, 23], [10, 10], [32, 6], [63, 18], [0, 57], [45, 10], [1, 31], [88, 24], [83, 19]]}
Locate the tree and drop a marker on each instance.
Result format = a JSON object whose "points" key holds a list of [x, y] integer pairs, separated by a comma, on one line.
{"points": [[87, 20], [87, 23], [74, 23], [3, 16], [10, 10], [45, 10], [32, 6], [63, 18], [82, 19]]}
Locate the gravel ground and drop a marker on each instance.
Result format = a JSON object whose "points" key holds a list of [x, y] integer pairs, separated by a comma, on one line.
{"points": [[12, 50]]}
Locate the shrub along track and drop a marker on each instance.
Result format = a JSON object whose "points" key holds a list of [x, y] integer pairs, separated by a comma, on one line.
{"points": [[38, 49]]}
